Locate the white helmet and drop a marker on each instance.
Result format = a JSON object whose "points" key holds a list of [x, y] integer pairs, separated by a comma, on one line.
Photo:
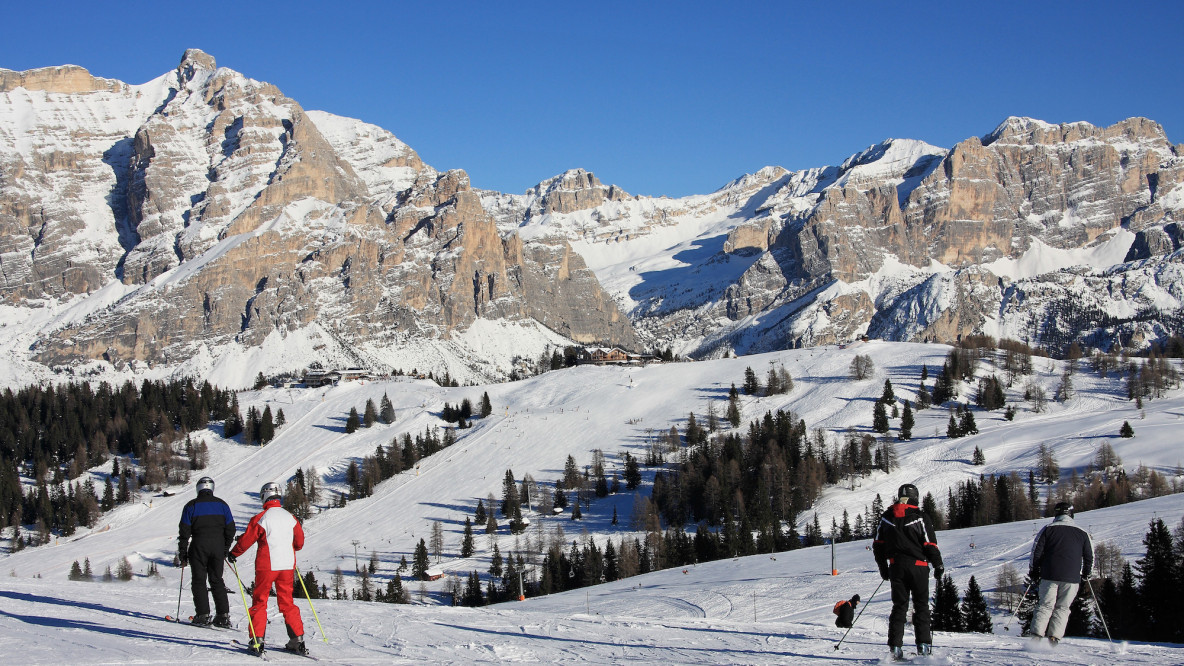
{"points": [[269, 490], [205, 483]]}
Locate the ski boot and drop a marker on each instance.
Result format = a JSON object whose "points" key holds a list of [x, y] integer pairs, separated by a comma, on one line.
{"points": [[924, 649], [256, 647], [296, 644], [1054, 641], [222, 620], [898, 653], [202, 620]]}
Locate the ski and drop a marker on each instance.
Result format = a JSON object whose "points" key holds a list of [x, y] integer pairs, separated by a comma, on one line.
{"points": [[189, 621], [262, 655], [281, 650]]}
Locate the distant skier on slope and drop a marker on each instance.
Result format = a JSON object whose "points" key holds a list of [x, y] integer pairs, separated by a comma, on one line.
{"points": [[904, 546], [845, 610], [279, 536], [1062, 555], [204, 536]]}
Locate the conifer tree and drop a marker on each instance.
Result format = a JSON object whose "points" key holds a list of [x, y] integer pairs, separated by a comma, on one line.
{"points": [[1126, 430], [888, 396], [266, 426], [509, 494], [967, 425], [952, 430], [632, 474], [386, 411], [974, 609], [352, 422], [466, 543], [370, 414], [1159, 584], [734, 408], [751, 385], [879, 418], [420, 562], [495, 562], [906, 422], [479, 514], [979, 458], [947, 614], [486, 405]]}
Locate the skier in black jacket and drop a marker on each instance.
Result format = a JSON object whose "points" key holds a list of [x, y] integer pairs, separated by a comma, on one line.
{"points": [[1062, 555], [904, 547], [846, 612], [205, 535]]}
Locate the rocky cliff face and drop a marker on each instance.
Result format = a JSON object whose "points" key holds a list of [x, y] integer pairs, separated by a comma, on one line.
{"points": [[224, 215], [910, 242], [204, 216]]}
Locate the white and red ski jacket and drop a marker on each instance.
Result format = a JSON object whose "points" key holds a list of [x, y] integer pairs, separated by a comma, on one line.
{"points": [[279, 536]]}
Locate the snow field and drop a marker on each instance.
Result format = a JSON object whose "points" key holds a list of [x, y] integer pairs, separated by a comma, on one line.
{"points": [[705, 615]]}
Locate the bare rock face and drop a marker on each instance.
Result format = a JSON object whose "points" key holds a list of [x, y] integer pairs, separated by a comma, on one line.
{"points": [[65, 79], [574, 190], [228, 215]]}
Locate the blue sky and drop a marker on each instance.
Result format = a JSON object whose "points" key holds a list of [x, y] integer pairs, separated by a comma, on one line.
{"points": [[659, 98]]}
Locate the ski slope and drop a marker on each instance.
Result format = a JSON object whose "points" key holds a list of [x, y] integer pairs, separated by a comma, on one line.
{"points": [[755, 610], [705, 615]]}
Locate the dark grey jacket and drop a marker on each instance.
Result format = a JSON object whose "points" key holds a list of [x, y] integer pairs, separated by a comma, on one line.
{"points": [[1063, 552]]}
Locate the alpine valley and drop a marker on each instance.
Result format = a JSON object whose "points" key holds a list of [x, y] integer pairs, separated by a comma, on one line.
{"points": [[203, 224]]}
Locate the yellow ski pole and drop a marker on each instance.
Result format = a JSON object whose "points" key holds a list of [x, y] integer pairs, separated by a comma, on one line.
{"points": [[243, 594], [296, 570]]}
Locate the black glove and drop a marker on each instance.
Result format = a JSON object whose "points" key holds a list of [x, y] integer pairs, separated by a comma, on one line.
{"points": [[884, 571], [938, 572], [230, 558], [1033, 573], [183, 558]]}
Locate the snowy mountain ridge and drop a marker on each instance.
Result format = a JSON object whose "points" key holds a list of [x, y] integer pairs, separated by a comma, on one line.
{"points": [[211, 201]]}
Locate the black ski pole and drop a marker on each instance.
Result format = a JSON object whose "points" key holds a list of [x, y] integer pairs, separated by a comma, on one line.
{"points": [[869, 600], [1098, 607], [179, 588], [1017, 607]]}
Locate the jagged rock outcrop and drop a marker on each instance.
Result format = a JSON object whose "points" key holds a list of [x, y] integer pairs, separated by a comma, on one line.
{"points": [[228, 216]]}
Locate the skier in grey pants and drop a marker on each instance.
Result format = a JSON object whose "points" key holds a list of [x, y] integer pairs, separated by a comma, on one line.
{"points": [[1061, 556]]}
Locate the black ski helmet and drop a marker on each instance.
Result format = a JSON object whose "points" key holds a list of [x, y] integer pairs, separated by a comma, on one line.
{"points": [[205, 484], [270, 490], [909, 494], [1063, 508]]}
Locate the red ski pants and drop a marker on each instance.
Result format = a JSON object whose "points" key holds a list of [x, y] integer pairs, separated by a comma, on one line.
{"points": [[283, 598]]}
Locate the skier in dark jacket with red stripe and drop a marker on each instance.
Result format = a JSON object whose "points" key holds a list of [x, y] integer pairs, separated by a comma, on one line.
{"points": [[205, 534], [904, 547]]}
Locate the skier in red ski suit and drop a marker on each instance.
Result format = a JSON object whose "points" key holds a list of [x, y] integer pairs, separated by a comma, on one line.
{"points": [[279, 536]]}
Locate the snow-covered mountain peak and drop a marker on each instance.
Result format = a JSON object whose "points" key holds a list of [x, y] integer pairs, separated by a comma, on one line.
{"points": [[891, 160], [193, 62]]}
